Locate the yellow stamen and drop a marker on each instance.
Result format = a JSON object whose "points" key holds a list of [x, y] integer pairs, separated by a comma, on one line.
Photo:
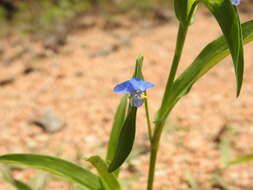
{"points": [[143, 96]]}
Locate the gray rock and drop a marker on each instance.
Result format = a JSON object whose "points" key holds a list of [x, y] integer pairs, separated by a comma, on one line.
{"points": [[105, 51], [48, 121]]}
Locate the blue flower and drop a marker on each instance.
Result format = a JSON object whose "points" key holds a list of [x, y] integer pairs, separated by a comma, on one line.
{"points": [[135, 87], [235, 2]]}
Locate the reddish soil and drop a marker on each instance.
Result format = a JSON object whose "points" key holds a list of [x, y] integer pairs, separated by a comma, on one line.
{"points": [[76, 85]]}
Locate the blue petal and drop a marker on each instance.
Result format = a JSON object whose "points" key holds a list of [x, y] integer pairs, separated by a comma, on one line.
{"points": [[132, 85], [236, 2], [140, 85], [124, 88], [136, 101]]}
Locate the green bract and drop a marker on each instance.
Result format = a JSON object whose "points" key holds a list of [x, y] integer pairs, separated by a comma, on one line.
{"points": [[184, 10]]}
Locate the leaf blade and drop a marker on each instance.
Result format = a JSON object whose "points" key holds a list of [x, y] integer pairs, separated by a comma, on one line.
{"points": [[242, 159], [107, 178], [227, 16], [127, 132], [207, 59], [56, 166], [125, 145], [19, 185], [116, 128]]}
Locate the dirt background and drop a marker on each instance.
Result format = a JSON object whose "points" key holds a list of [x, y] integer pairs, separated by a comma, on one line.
{"points": [[69, 78]]}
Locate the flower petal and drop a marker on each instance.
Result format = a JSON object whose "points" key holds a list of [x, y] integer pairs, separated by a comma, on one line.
{"points": [[236, 2], [140, 85], [124, 88], [132, 85]]}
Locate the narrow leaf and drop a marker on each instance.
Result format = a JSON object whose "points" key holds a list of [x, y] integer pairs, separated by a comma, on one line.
{"points": [[78, 187], [184, 10], [212, 54], [108, 179], [39, 180], [227, 16], [19, 185], [127, 133], [191, 180], [138, 68], [118, 122], [221, 182], [56, 166], [242, 159], [225, 144], [7, 176], [126, 140]]}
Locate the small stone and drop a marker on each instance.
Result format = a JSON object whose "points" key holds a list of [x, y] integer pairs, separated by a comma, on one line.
{"points": [[48, 121], [105, 51]]}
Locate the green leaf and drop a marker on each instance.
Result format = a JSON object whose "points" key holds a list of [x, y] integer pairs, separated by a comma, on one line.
{"points": [[242, 159], [185, 10], [56, 166], [180, 7], [211, 55], [138, 67], [191, 180], [39, 180], [78, 187], [19, 185], [126, 140], [225, 144], [127, 132], [108, 179], [118, 122], [227, 16], [221, 182]]}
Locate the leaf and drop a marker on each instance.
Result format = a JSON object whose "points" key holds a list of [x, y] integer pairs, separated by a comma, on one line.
{"points": [[126, 140], [191, 180], [127, 132], [184, 10], [138, 68], [78, 187], [19, 185], [118, 122], [225, 144], [180, 7], [39, 180], [221, 182], [227, 16], [211, 55], [241, 160], [108, 179], [56, 166]]}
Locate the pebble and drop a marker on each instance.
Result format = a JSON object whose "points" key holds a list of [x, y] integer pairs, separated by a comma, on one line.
{"points": [[48, 121]]}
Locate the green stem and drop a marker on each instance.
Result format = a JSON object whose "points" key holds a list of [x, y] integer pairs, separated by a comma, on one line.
{"points": [[178, 52], [153, 154], [148, 120], [159, 125]]}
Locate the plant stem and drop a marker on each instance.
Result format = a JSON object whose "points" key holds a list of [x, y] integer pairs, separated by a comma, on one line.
{"points": [[153, 154], [160, 124], [148, 120], [178, 52]]}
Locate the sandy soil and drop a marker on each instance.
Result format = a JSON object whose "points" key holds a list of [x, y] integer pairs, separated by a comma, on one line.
{"points": [[76, 84]]}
